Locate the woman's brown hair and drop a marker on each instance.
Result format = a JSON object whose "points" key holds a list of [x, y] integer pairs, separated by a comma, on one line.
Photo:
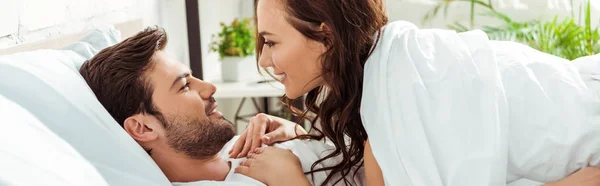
{"points": [[352, 26]]}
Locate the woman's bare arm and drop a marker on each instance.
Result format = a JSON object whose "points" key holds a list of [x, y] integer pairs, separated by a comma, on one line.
{"points": [[372, 171]]}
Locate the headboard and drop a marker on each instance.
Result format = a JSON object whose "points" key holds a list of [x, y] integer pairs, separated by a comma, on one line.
{"points": [[127, 29]]}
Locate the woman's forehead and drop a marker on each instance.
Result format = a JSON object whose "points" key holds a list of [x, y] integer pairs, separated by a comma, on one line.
{"points": [[270, 13]]}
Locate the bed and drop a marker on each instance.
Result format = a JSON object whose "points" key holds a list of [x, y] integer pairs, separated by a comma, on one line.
{"points": [[54, 131], [54, 128]]}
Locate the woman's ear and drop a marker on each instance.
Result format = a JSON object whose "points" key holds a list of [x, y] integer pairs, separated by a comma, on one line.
{"points": [[139, 130], [324, 28], [328, 36]]}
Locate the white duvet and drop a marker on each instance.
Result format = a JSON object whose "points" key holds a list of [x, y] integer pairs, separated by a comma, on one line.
{"points": [[307, 151], [451, 109]]}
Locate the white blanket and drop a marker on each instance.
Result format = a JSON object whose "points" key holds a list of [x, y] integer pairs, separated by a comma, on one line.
{"points": [[451, 109], [307, 151]]}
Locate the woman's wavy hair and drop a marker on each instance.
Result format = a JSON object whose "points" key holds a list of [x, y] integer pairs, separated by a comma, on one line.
{"points": [[352, 26]]}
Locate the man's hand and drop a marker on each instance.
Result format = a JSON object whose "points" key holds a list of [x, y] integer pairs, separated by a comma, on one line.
{"points": [[276, 129], [589, 176]]}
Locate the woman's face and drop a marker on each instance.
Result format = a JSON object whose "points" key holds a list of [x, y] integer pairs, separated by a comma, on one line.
{"points": [[294, 59]]}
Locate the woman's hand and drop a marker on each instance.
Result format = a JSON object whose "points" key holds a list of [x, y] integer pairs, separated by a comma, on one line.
{"points": [[589, 176], [273, 166], [277, 129]]}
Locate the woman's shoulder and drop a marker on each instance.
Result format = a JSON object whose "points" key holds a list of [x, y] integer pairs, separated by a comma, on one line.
{"points": [[395, 27], [400, 24]]}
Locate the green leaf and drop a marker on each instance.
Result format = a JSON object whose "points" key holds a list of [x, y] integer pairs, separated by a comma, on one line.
{"points": [[458, 27], [566, 38], [434, 11], [235, 39], [498, 15], [588, 28], [472, 13]]}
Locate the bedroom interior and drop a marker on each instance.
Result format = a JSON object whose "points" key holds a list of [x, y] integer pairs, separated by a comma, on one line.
{"points": [[41, 50]]}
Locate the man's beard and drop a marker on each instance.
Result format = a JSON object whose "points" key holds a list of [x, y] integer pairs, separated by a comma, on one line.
{"points": [[197, 137]]}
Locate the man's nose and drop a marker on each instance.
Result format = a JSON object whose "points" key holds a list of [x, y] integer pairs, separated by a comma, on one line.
{"points": [[207, 90]]}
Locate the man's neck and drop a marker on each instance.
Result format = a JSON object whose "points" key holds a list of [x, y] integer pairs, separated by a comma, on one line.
{"points": [[181, 168]]}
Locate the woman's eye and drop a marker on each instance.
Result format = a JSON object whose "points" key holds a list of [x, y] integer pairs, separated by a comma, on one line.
{"points": [[269, 44]]}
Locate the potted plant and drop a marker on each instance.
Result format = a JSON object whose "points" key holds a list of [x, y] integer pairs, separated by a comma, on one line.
{"points": [[235, 44], [566, 38]]}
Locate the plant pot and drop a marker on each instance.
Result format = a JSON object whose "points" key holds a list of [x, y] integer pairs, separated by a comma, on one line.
{"points": [[235, 69]]}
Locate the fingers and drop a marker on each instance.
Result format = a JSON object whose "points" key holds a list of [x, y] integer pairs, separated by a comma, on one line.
{"points": [[278, 135], [248, 141], [281, 130], [242, 170], [257, 152], [239, 145], [254, 134], [244, 167], [260, 126], [247, 162], [252, 155]]}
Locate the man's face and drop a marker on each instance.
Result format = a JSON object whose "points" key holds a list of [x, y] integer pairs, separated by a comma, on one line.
{"points": [[192, 125]]}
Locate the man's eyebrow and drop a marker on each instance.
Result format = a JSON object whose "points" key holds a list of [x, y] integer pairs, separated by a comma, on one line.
{"points": [[265, 33], [181, 76]]}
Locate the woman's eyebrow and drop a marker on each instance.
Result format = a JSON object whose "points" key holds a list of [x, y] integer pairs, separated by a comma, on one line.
{"points": [[265, 33]]}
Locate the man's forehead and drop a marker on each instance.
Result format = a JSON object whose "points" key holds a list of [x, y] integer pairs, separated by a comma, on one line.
{"points": [[165, 69]]}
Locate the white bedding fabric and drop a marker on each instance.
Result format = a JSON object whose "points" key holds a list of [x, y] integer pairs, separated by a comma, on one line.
{"points": [[451, 109], [31, 154], [48, 85], [307, 151]]}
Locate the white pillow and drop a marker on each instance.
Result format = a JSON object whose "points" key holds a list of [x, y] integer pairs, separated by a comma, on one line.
{"points": [[30, 154], [47, 83], [589, 68]]}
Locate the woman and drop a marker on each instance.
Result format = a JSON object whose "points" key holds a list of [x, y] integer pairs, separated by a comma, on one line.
{"points": [[323, 49]]}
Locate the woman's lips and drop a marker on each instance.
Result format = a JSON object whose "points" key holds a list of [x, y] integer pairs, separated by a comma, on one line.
{"points": [[280, 77]]}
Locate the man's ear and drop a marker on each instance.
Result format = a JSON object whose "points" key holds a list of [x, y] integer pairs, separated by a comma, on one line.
{"points": [[139, 130]]}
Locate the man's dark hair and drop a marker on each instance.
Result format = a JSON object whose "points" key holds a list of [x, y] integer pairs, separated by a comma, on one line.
{"points": [[117, 75]]}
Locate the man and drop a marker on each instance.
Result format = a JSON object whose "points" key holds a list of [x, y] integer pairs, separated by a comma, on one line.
{"points": [[170, 113]]}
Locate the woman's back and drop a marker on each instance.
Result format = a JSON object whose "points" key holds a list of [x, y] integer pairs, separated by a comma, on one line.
{"points": [[457, 109]]}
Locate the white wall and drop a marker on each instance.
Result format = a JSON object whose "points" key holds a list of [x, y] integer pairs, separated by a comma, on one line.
{"points": [[23, 21], [173, 20], [522, 10], [211, 14]]}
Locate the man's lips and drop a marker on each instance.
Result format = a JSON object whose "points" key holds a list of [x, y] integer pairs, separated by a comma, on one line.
{"points": [[211, 110]]}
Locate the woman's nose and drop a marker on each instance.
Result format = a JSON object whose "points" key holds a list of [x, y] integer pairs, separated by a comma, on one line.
{"points": [[265, 59]]}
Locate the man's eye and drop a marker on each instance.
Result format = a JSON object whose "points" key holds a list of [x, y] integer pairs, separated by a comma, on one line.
{"points": [[185, 87]]}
